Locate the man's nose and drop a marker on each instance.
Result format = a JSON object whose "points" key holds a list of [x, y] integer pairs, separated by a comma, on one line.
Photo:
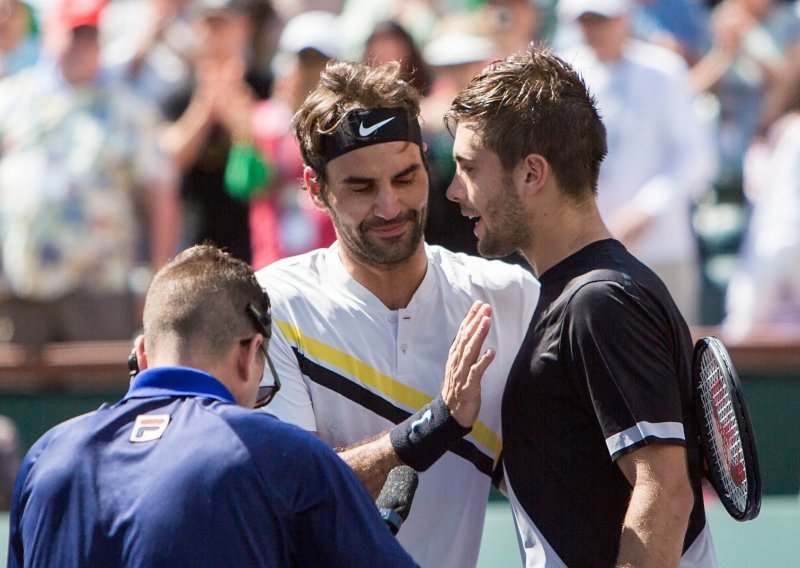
{"points": [[455, 191], [387, 204]]}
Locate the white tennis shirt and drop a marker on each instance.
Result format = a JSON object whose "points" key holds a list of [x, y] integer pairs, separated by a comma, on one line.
{"points": [[351, 368]]}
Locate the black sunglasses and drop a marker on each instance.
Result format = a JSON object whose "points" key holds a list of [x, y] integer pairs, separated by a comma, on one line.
{"points": [[263, 323]]}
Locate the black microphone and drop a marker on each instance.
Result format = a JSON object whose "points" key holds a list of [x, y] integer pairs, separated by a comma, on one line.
{"points": [[394, 502]]}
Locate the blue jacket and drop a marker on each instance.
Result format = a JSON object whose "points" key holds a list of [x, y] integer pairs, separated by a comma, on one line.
{"points": [[213, 484]]}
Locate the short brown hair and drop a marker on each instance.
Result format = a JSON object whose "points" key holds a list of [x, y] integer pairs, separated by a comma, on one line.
{"points": [[344, 86], [536, 103], [200, 299]]}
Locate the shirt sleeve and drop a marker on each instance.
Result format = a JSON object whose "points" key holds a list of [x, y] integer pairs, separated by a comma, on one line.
{"points": [[344, 527], [293, 403], [618, 351], [16, 549]]}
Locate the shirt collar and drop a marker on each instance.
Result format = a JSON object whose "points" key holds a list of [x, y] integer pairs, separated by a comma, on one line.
{"points": [[177, 381], [342, 277]]}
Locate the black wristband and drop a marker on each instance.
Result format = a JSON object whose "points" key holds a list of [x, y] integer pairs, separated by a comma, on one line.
{"points": [[426, 435]]}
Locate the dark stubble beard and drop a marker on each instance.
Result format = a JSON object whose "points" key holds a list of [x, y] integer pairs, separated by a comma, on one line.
{"points": [[382, 252], [508, 232]]}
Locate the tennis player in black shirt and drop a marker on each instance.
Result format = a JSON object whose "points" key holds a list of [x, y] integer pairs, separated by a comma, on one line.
{"points": [[601, 457]]}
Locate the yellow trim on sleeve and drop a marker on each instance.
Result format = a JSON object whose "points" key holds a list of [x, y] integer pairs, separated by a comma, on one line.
{"points": [[384, 384]]}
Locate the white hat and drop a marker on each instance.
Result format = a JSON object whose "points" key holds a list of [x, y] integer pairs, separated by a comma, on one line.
{"points": [[311, 30], [574, 9], [458, 49]]}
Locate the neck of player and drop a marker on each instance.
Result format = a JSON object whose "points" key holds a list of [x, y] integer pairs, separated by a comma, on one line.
{"points": [[563, 229], [393, 284]]}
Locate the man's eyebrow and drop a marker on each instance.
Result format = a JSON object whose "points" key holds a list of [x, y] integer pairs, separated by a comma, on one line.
{"points": [[409, 170], [461, 159], [359, 179]]}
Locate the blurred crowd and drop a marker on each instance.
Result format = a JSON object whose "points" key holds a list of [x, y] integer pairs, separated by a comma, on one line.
{"points": [[132, 128]]}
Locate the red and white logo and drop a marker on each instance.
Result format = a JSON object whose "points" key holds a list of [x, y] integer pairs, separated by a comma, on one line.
{"points": [[149, 427]]}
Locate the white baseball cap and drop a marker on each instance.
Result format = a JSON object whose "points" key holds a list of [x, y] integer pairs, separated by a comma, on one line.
{"points": [[574, 9], [315, 29], [458, 49]]}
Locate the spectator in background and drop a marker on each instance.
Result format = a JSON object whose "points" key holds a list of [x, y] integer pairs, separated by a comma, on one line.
{"points": [[149, 43], [19, 37], [211, 114], [679, 25], [513, 23], [765, 289], [283, 221], [389, 41], [660, 152], [454, 56], [78, 157], [10, 456], [750, 39]]}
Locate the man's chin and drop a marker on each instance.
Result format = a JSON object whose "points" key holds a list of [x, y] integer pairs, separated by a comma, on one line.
{"points": [[490, 249]]}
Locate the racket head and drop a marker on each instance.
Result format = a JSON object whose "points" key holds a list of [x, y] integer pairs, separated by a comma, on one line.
{"points": [[726, 431]]}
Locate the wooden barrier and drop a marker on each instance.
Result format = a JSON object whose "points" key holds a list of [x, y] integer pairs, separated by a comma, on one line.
{"points": [[774, 348], [84, 365], [102, 364]]}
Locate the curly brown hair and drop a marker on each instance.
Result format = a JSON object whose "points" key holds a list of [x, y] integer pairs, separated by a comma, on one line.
{"points": [[344, 86]]}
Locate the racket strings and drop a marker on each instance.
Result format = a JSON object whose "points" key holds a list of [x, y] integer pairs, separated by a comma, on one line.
{"points": [[720, 420]]}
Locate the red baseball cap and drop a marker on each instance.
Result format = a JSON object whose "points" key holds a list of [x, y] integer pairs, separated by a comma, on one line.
{"points": [[76, 13]]}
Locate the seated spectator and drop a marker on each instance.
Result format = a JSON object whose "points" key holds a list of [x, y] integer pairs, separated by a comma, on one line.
{"points": [[79, 159]]}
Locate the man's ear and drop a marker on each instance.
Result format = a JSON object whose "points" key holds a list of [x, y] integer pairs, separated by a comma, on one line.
{"points": [[249, 357], [532, 174], [311, 181], [141, 355]]}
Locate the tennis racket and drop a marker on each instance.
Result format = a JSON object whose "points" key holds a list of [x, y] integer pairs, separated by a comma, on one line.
{"points": [[726, 433]]}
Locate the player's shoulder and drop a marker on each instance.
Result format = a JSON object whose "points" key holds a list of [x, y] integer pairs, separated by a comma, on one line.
{"points": [[462, 270], [295, 274], [595, 290]]}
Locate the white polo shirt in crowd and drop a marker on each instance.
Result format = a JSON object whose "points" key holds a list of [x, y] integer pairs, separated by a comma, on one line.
{"points": [[351, 368], [661, 152]]}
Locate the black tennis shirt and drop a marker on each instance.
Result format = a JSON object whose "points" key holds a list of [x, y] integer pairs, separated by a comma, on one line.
{"points": [[604, 369]]}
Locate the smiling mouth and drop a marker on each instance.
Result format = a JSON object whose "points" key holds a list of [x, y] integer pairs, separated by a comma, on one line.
{"points": [[470, 214]]}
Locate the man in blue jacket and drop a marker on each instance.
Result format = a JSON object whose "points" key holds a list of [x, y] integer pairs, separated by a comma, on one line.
{"points": [[178, 473]]}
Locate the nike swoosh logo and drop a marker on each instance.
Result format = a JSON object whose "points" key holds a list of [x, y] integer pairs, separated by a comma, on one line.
{"points": [[367, 130], [426, 417]]}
